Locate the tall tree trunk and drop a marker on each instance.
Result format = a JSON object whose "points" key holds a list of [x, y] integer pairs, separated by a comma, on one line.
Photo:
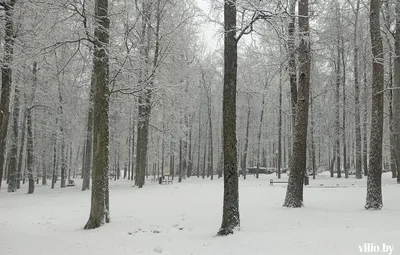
{"points": [[292, 62], [357, 117], [259, 136], [199, 146], [133, 161], [374, 183], [346, 171], [99, 212], [180, 160], [29, 150], [89, 141], [12, 183], [312, 154], [294, 194], [279, 160], [205, 156], [396, 93], [365, 118], [22, 146], [230, 215], [29, 143], [190, 160], [337, 93], [6, 79], [246, 143]]}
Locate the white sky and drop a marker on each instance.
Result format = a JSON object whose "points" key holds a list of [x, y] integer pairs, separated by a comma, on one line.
{"points": [[212, 38]]}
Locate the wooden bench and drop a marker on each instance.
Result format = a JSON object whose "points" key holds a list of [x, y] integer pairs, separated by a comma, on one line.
{"points": [[164, 180], [271, 182]]}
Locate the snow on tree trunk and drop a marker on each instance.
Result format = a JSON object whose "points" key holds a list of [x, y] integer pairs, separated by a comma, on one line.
{"points": [[294, 191], [6, 80], [12, 182], [374, 182], [99, 212], [230, 215]]}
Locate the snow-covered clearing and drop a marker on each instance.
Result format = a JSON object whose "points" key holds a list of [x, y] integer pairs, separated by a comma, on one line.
{"points": [[183, 218]]}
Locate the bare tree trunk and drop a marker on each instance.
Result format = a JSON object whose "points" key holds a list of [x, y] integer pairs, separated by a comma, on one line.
{"points": [[346, 170], [294, 194], [292, 62], [199, 146], [312, 154], [14, 178], [230, 216], [279, 160], [205, 157], [357, 97], [338, 64], [374, 183], [99, 212], [365, 139], [30, 151], [180, 160], [6, 79], [259, 135], [53, 178], [190, 159], [246, 143], [22, 146], [396, 93]]}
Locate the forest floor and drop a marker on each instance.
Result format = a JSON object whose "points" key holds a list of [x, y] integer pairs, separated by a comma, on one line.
{"points": [[183, 218]]}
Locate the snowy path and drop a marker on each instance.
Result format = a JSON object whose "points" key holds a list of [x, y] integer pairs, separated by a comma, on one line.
{"points": [[182, 219]]}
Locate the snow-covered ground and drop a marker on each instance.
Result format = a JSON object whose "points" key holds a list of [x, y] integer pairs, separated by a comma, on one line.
{"points": [[183, 218]]}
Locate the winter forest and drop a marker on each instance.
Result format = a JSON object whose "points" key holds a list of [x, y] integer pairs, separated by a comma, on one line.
{"points": [[148, 119]]}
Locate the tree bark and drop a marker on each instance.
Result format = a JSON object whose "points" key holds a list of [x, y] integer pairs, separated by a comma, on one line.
{"points": [[88, 152], [14, 178], [99, 212], [294, 194], [6, 80], [259, 135], [374, 182], [230, 215], [246, 143], [292, 61], [346, 171], [396, 93], [357, 117]]}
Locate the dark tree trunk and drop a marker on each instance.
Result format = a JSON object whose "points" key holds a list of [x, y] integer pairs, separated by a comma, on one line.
{"points": [[29, 143], [21, 148], [337, 95], [199, 147], [365, 139], [14, 178], [396, 94], [374, 183], [29, 150], [246, 143], [346, 172], [292, 62], [99, 212], [230, 216], [279, 159], [259, 136], [89, 142], [180, 160], [357, 97], [294, 194], [6, 79]]}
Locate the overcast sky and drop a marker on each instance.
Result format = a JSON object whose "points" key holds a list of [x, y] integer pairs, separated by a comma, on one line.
{"points": [[212, 37]]}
